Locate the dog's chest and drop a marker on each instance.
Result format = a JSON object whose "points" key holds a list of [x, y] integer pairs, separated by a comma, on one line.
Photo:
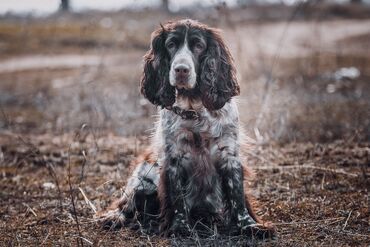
{"points": [[210, 131], [194, 132]]}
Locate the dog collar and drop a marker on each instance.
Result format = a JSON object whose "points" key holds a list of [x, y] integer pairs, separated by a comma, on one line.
{"points": [[184, 114]]}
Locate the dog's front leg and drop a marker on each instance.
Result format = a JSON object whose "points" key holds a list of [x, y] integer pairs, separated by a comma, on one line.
{"points": [[231, 172], [172, 193]]}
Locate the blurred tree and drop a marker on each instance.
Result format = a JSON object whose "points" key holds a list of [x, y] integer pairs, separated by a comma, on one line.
{"points": [[64, 5], [356, 1], [165, 5], [246, 2]]}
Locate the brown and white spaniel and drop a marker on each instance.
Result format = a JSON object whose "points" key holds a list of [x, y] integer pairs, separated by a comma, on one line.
{"points": [[193, 176]]}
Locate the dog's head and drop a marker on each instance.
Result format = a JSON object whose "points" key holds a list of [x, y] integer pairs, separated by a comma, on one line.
{"points": [[191, 58]]}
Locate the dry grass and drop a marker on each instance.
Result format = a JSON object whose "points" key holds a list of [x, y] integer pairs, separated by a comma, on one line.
{"points": [[315, 194]]}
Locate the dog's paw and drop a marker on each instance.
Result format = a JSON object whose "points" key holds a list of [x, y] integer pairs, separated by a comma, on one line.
{"points": [[245, 220], [111, 219], [179, 230], [259, 231], [179, 227]]}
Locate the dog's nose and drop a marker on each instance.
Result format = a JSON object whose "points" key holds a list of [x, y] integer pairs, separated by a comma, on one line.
{"points": [[182, 70]]}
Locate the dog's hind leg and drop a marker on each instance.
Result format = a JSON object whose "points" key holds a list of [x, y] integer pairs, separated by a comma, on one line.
{"points": [[139, 204]]}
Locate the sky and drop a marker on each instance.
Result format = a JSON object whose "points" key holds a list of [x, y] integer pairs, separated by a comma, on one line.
{"points": [[50, 6], [43, 7]]}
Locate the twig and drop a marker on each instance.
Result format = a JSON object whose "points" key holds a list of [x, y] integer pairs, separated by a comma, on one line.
{"points": [[47, 236], [83, 167], [6, 118], [35, 151], [308, 222], [52, 173], [357, 234], [30, 209], [349, 233], [259, 157], [85, 239], [275, 59], [149, 240], [307, 167], [345, 223], [103, 184], [88, 202], [79, 240]]}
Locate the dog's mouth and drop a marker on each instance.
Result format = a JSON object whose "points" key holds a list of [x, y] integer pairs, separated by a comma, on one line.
{"points": [[182, 84]]}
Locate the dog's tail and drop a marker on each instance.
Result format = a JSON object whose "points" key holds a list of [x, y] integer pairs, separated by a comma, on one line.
{"points": [[252, 206]]}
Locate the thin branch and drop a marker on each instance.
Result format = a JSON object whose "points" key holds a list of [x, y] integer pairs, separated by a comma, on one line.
{"points": [[6, 118], [30, 209], [309, 222], [79, 240], [345, 223], [88, 202], [305, 166], [83, 167], [50, 167]]}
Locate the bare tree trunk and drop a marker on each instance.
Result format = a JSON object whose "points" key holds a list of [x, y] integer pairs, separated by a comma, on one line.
{"points": [[64, 5], [165, 5], [246, 2]]}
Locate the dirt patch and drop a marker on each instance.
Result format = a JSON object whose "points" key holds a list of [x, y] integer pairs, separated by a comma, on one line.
{"points": [[314, 193]]}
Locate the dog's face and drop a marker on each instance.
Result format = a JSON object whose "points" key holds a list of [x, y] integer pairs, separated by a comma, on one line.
{"points": [[185, 46], [190, 58]]}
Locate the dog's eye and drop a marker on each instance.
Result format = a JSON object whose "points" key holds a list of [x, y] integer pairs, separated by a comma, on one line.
{"points": [[171, 45], [199, 46]]}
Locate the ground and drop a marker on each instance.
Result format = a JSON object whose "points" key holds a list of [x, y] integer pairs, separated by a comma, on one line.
{"points": [[314, 193], [72, 120]]}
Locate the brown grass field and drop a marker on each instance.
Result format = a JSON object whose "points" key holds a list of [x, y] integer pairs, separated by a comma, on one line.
{"points": [[72, 119]]}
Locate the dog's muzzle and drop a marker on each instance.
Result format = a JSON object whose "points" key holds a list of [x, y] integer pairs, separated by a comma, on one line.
{"points": [[182, 74]]}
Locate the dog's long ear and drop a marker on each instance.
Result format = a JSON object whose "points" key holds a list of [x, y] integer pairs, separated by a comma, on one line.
{"points": [[217, 76], [155, 85]]}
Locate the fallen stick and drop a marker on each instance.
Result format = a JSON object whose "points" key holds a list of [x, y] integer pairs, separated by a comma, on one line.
{"points": [[309, 222], [88, 202], [337, 171]]}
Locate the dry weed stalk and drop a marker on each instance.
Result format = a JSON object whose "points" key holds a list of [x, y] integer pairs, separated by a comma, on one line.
{"points": [[71, 194]]}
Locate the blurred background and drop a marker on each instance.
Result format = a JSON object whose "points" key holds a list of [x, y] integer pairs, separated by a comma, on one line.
{"points": [[72, 119], [303, 66]]}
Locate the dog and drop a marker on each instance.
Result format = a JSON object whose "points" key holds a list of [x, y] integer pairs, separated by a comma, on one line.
{"points": [[193, 175]]}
